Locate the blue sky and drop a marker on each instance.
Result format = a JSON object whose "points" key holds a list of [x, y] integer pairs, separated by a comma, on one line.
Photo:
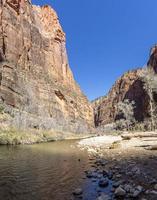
{"points": [[105, 38]]}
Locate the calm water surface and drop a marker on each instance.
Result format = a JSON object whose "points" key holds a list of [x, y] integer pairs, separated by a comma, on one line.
{"points": [[49, 171]]}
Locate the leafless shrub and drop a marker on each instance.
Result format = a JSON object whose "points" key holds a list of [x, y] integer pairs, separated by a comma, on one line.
{"points": [[125, 109], [150, 86]]}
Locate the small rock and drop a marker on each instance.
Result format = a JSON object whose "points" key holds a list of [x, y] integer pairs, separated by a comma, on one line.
{"points": [[153, 181], [129, 173], [103, 182], [136, 170], [136, 193], [89, 174], [99, 176], [112, 189], [152, 192], [116, 184], [78, 191], [128, 188], [94, 180], [126, 137], [155, 186], [118, 176], [100, 171], [120, 192], [110, 175], [105, 173], [139, 188], [104, 197]]}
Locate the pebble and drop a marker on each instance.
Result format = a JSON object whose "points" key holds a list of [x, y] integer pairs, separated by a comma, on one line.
{"points": [[128, 188], [151, 192], [136, 170], [89, 174], [118, 176], [116, 184], [104, 197], [78, 191], [94, 180], [136, 193], [155, 186], [103, 182], [120, 192]]}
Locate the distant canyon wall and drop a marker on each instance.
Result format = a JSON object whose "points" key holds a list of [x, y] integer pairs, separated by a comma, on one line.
{"points": [[129, 86]]}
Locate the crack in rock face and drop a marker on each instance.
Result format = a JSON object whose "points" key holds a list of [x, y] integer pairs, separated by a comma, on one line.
{"points": [[38, 85]]}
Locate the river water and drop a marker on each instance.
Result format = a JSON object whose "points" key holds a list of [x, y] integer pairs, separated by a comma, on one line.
{"points": [[49, 171]]}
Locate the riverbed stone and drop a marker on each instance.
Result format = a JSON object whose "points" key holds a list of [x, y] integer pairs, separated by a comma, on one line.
{"points": [[78, 191], [103, 182], [104, 197], [136, 170], [120, 192], [89, 174], [128, 188], [155, 186]]}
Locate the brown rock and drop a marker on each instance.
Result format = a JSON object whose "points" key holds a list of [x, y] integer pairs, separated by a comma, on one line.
{"points": [[36, 83], [129, 86], [152, 63]]}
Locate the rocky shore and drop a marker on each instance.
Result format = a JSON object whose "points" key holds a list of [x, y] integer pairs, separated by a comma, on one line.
{"points": [[122, 169]]}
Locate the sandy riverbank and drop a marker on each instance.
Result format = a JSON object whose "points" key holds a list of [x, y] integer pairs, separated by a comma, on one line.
{"points": [[136, 140]]}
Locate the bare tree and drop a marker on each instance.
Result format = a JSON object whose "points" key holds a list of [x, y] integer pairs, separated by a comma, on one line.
{"points": [[150, 86], [126, 111]]}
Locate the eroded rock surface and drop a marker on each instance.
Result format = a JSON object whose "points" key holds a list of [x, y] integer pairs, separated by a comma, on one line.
{"points": [[129, 86], [152, 62], [36, 83]]}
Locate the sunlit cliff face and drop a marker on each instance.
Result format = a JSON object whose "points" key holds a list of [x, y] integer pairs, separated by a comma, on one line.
{"points": [[36, 82]]}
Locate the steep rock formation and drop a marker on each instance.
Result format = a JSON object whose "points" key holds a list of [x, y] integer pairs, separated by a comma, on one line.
{"points": [[152, 63], [37, 87], [129, 86]]}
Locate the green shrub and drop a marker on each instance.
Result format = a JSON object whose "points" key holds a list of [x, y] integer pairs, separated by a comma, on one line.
{"points": [[1, 109]]}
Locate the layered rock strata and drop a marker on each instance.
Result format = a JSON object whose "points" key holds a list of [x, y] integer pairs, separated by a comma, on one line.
{"points": [[37, 87], [129, 86]]}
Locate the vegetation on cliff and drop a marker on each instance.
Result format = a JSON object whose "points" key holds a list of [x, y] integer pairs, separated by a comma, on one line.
{"points": [[137, 86], [37, 87]]}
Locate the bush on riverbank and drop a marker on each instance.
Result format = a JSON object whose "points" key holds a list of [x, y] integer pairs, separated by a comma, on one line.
{"points": [[13, 136]]}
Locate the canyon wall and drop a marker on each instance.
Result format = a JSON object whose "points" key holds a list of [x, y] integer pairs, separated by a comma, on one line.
{"points": [[131, 86], [37, 87], [128, 86]]}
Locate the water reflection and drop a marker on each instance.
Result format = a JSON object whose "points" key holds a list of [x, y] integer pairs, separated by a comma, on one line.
{"points": [[42, 171]]}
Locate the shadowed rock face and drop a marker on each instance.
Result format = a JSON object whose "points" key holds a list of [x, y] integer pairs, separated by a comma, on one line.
{"points": [[129, 86], [36, 84], [152, 63]]}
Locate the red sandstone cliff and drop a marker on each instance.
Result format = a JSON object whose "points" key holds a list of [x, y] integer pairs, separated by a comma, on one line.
{"points": [[129, 86], [37, 87]]}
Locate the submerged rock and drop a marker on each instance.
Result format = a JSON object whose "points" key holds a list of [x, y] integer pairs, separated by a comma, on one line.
{"points": [[103, 182], [78, 191], [104, 197]]}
